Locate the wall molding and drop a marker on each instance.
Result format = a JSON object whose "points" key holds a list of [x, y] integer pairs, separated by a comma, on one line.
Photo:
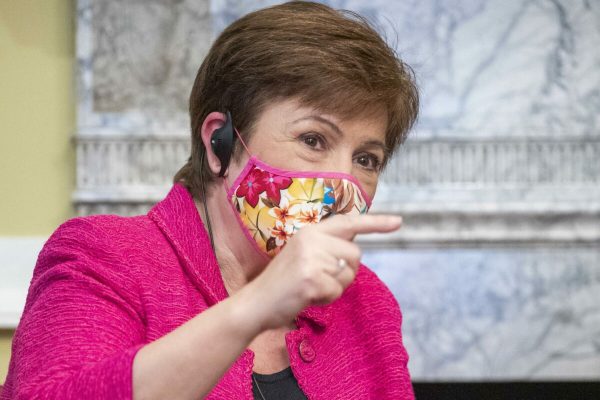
{"points": [[450, 191]]}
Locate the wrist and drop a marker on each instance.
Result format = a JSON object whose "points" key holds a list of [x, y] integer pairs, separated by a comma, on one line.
{"points": [[247, 311]]}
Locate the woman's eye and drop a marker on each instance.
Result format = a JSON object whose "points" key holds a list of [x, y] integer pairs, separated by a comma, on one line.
{"points": [[311, 141], [369, 161], [314, 141]]}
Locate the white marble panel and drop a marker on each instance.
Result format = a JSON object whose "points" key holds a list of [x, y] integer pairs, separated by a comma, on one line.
{"points": [[497, 313], [488, 67], [137, 62]]}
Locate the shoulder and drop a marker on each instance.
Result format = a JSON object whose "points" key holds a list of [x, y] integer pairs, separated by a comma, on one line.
{"points": [[101, 230], [367, 278], [92, 250], [372, 288], [371, 298], [100, 227], [98, 236]]}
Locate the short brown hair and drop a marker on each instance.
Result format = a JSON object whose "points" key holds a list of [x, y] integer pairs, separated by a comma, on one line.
{"points": [[333, 60]]}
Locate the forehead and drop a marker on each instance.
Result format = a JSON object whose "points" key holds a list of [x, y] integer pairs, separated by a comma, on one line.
{"points": [[282, 115]]}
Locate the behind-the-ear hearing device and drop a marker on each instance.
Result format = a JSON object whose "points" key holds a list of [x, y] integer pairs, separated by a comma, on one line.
{"points": [[222, 143]]}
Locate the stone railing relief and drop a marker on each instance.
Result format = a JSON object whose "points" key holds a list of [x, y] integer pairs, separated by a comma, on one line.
{"points": [[469, 185]]}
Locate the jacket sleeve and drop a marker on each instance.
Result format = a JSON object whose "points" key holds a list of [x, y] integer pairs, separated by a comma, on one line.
{"points": [[385, 320], [82, 323]]}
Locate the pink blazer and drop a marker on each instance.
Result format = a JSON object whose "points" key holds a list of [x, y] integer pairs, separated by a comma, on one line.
{"points": [[104, 286]]}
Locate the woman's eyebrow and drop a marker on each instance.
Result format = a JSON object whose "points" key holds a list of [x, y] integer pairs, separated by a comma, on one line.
{"points": [[336, 129], [374, 142], [380, 144], [324, 120]]}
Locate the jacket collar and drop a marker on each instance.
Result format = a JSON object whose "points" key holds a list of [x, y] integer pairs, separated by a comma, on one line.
{"points": [[177, 217]]}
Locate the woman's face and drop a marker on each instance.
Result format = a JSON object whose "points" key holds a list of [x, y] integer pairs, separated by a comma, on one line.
{"points": [[292, 137]]}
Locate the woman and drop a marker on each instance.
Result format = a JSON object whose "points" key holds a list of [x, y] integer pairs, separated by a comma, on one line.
{"points": [[242, 283]]}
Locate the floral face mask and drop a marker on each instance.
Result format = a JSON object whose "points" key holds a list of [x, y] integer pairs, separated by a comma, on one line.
{"points": [[272, 204]]}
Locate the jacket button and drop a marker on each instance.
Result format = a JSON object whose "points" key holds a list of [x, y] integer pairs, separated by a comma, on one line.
{"points": [[306, 351]]}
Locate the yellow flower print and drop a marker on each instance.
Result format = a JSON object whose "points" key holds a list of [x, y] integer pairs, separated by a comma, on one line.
{"points": [[305, 189], [258, 221]]}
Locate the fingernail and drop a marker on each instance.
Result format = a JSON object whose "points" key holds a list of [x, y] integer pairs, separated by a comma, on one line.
{"points": [[397, 219]]}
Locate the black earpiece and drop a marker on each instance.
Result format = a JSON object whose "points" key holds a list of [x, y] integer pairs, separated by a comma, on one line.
{"points": [[222, 143]]}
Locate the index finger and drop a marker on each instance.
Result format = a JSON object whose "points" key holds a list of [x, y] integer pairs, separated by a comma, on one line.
{"points": [[347, 226]]}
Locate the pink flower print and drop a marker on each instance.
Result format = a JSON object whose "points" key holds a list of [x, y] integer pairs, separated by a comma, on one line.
{"points": [[252, 186], [274, 184]]}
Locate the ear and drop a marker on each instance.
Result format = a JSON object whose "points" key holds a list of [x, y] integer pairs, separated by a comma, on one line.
{"points": [[213, 121]]}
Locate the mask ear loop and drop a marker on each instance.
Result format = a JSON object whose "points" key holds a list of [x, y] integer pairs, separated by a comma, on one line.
{"points": [[203, 188], [247, 151], [242, 140]]}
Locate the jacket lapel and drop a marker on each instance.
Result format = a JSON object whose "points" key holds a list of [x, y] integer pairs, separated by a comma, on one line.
{"points": [[177, 217]]}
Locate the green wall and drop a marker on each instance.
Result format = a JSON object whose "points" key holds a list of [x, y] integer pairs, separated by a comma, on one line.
{"points": [[37, 120], [37, 115]]}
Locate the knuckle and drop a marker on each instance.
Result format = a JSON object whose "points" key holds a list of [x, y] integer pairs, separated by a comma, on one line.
{"points": [[300, 237], [337, 291], [353, 254], [310, 282], [349, 222], [311, 292], [303, 258], [352, 276], [305, 237], [356, 252], [342, 220], [307, 276]]}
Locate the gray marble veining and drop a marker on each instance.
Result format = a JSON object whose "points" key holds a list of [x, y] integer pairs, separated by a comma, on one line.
{"points": [[137, 63], [497, 313], [488, 67], [506, 157]]}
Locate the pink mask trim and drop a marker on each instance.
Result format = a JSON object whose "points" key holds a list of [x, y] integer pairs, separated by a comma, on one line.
{"points": [[254, 160], [291, 174]]}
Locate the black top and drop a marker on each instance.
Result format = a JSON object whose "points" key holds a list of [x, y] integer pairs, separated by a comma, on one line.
{"points": [[280, 385]]}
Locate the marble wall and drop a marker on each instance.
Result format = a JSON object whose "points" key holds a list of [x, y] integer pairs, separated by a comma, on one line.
{"points": [[488, 67], [137, 62], [497, 269], [497, 313]]}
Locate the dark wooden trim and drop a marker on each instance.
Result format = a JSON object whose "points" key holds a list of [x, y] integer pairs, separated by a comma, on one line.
{"points": [[517, 390]]}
